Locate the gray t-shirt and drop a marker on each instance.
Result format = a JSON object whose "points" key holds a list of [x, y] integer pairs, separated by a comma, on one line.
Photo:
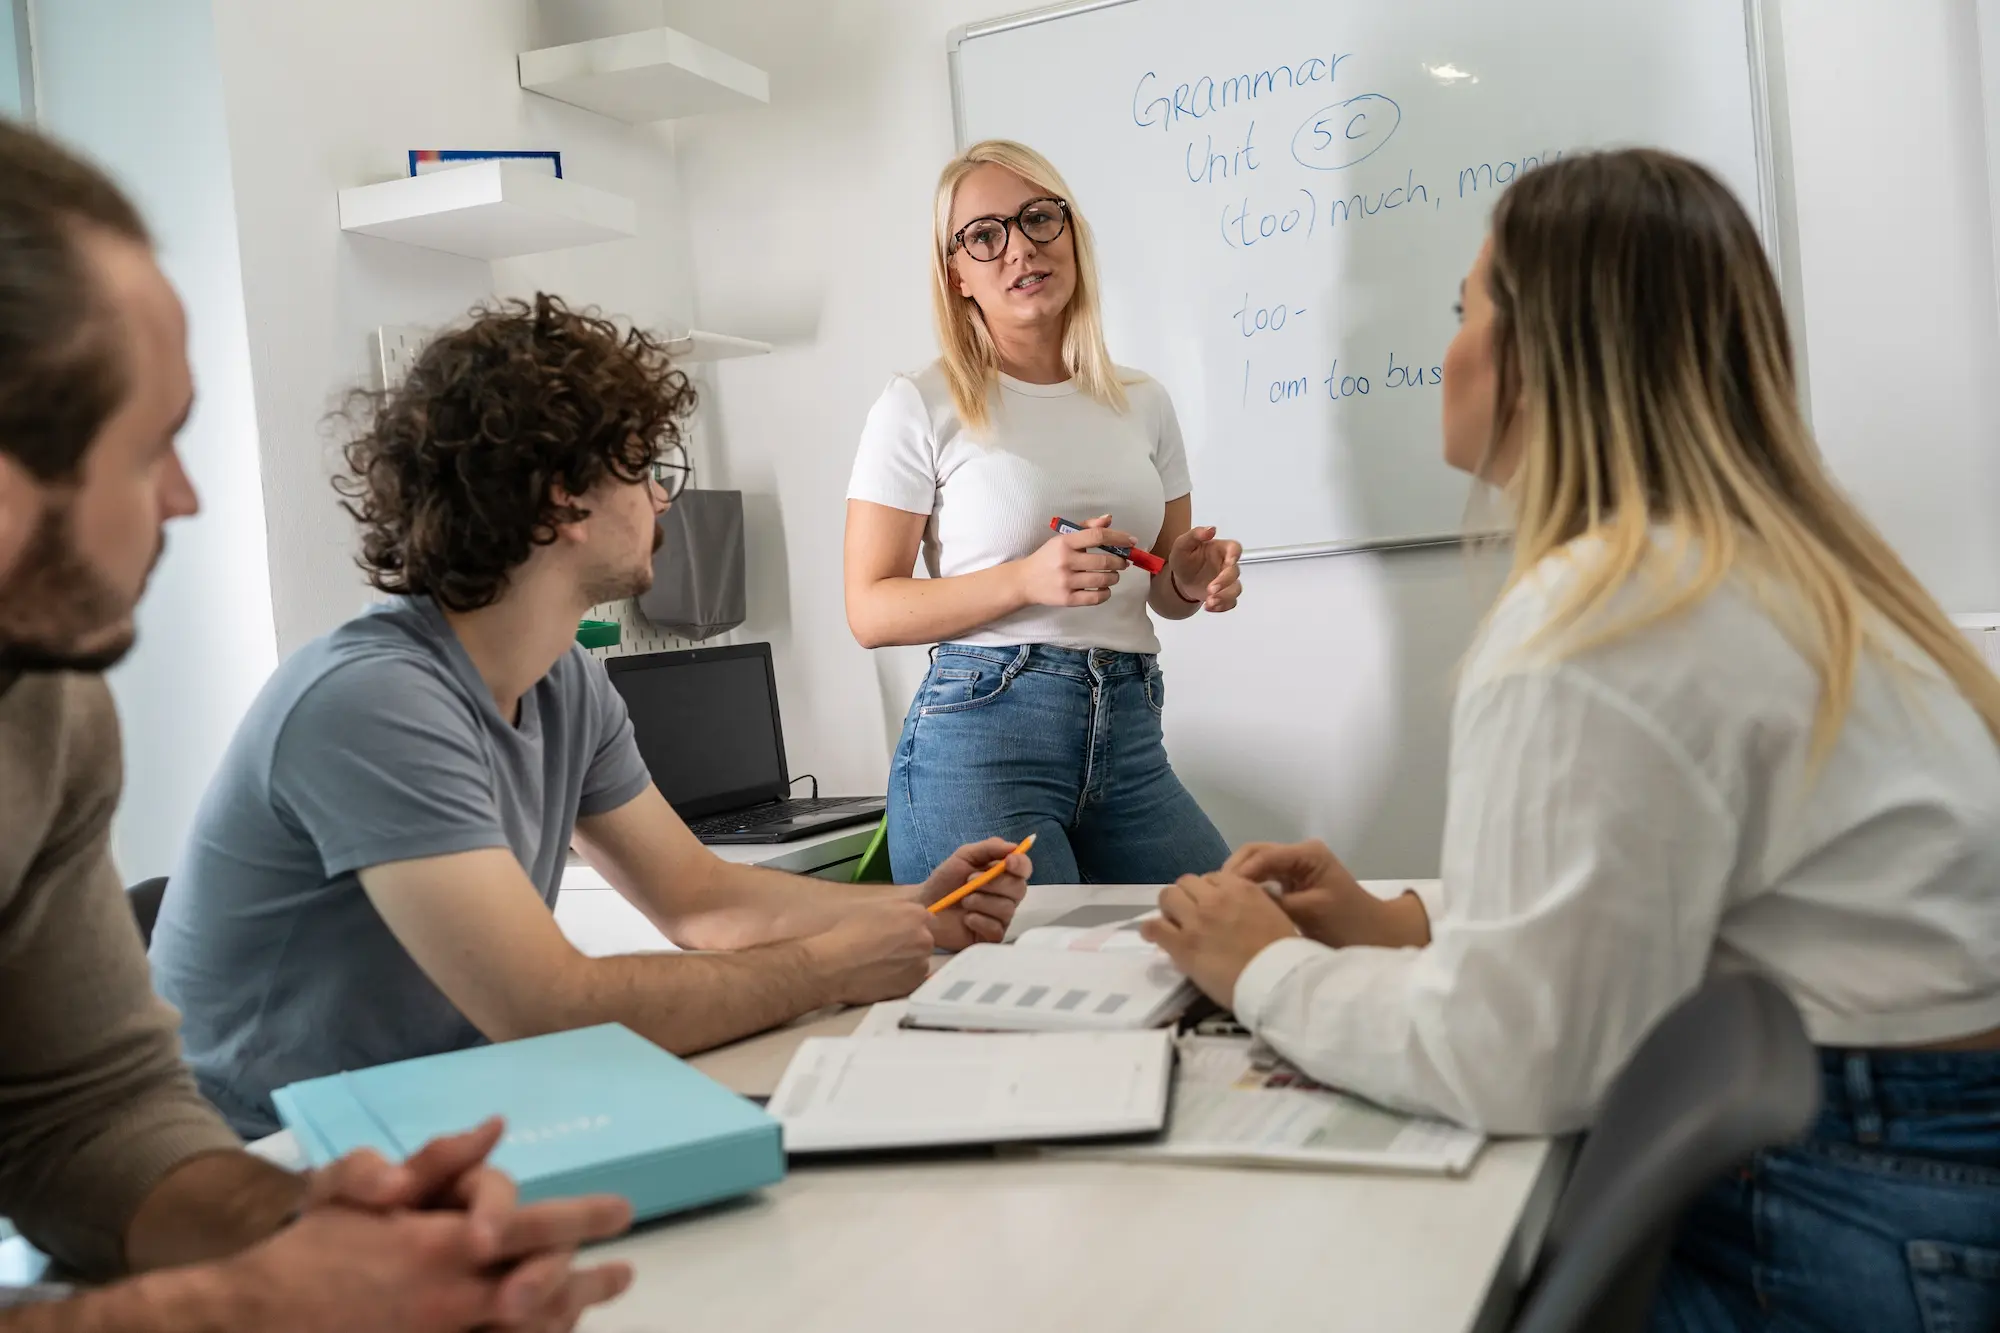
{"points": [[377, 743]]}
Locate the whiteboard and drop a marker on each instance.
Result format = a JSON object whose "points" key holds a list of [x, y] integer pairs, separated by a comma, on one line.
{"points": [[1286, 193]]}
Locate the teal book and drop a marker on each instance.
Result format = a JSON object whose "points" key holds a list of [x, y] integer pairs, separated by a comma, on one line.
{"points": [[597, 1111]]}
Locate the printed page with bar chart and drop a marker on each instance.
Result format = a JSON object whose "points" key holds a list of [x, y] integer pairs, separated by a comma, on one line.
{"points": [[1001, 988]]}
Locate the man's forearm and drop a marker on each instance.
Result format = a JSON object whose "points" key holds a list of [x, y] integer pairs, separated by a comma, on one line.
{"points": [[745, 906], [210, 1207], [187, 1300], [688, 1002]]}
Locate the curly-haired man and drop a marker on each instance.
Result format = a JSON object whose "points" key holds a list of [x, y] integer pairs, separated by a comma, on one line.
{"points": [[371, 875]]}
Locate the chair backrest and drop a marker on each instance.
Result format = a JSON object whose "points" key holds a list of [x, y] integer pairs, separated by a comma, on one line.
{"points": [[873, 867], [1725, 1074], [145, 898]]}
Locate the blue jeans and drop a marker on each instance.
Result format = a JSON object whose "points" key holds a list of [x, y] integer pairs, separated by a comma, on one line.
{"points": [[1059, 742], [1885, 1220]]}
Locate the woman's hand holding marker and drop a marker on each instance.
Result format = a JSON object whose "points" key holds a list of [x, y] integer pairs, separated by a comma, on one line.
{"points": [[1074, 568], [1145, 560]]}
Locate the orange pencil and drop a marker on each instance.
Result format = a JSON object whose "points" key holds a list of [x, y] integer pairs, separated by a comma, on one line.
{"points": [[982, 879]]}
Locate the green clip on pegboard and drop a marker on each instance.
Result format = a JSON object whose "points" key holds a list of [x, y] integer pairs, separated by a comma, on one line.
{"points": [[597, 633]]}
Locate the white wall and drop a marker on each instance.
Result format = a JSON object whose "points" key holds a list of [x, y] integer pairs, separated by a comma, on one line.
{"points": [[1896, 250], [1319, 707], [323, 96], [135, 83]]}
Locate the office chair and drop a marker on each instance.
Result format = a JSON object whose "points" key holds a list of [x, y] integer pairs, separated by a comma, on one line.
{"points": [[873, 867], [145, 898], [1726, 1074]]}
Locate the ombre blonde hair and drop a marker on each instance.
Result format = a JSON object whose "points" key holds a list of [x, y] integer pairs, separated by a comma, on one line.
{"points": [[1640, 335], [971, 364]]}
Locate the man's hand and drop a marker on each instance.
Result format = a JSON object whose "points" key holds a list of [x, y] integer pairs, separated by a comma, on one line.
{"points": [[880, 950], [982, 917], [452, 1174], [1326, 902], [340, 1268], [448, 1173], [1213, 925], [1204, 569]]}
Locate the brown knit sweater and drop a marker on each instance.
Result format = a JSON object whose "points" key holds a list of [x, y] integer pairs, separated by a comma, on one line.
{"points": [[95, 1105]]}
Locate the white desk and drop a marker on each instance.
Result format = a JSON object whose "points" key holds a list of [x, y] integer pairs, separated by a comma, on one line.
{"points": [[830, 855], [805, 856], [975, 1244]]}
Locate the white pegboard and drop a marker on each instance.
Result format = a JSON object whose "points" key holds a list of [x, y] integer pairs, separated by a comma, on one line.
{"points": [[1984, 631], [393, 350], [636, 633]]}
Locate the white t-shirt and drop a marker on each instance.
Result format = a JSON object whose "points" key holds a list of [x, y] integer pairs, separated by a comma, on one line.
{"points": [[1623, 821], [1051, 450]]}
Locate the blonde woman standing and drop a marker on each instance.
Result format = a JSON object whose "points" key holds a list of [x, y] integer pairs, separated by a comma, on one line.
{"points": [[1041, 711], [1712, 724]]}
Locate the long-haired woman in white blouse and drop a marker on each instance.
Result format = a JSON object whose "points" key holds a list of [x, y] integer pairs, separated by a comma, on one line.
{"points": [[1041, 711], [1712, 724]]}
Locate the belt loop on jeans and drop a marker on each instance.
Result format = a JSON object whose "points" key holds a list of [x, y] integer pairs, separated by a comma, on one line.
{"points": [[1018, 665], [1861, 1105]]}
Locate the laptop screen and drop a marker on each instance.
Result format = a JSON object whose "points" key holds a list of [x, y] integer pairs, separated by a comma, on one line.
{"points": [[707, 725]]}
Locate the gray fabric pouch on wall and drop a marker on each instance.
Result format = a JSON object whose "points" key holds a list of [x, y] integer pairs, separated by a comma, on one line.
{"points": [[697, 590]]}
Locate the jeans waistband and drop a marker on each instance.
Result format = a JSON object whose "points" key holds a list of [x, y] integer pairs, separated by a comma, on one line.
{"points": [[1865, 1089], [1082, 663]]}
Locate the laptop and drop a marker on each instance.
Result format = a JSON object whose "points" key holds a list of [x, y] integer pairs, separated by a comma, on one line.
{"points": [[707, 725]]}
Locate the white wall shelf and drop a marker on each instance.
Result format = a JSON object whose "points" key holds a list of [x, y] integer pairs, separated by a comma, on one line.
{"points": [[700, 345], [636, 77], [490, 210]]}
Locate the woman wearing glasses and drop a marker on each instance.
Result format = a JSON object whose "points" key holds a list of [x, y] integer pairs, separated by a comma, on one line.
{"points": [[1041, 711]]}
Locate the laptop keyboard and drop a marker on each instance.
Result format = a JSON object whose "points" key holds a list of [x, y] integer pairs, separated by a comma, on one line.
{"points": [[758, 816]]}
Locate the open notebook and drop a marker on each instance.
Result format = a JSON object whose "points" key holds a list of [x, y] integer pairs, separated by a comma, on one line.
{"points": [[847, 1094]]}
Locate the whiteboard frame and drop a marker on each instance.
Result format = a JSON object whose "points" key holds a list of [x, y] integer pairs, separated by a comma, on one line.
{"points": [[1767, 215], [1986, 21]]}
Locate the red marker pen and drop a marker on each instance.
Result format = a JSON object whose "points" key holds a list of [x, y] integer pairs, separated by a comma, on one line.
{"points": [[1145, 560]]}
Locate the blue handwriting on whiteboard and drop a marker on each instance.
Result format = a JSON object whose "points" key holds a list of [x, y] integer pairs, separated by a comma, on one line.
{"points": [[1350, 208], [1247, 221], [1411, 377], [1243, 227], [1153, 104], [1246, 224], [1223, 165], [1336, 137], [1339, 386], [1253, 320], [1496, 175]]}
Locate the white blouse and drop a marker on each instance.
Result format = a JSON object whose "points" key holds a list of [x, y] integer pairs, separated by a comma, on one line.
{"points": [[1623, 821]]}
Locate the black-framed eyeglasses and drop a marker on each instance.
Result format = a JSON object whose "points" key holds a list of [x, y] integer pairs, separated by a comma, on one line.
{"points": [[671, 471], [985, 239]]}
